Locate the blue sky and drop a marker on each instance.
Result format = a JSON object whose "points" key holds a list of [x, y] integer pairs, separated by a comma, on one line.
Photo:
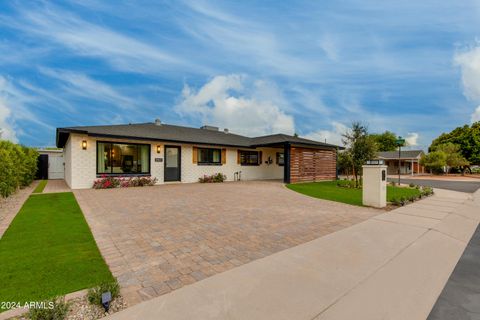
{"points": [[311, 67]]}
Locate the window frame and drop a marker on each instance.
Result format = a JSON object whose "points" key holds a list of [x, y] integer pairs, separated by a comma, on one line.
{"points": [[210, 156], [111, 174], [250, 152], [278, 159]]}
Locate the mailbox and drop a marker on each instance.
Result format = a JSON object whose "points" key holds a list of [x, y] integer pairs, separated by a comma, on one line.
{"points": [[374, 191]]}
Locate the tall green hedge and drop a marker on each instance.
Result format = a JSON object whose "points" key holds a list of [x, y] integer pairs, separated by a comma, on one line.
{"points": [[18, 165]]}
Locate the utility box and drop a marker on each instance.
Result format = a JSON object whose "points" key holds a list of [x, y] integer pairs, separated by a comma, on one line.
{"points": [[374, 192]]}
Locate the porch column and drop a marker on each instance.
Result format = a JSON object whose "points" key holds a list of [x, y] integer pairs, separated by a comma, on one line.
{"points": [[286, 160]]}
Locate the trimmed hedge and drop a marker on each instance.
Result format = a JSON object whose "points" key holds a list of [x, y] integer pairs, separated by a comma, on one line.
{"points": [[18, 165]]}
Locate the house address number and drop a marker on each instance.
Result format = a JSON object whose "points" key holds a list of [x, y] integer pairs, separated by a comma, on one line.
{"points": [[158, 159]]}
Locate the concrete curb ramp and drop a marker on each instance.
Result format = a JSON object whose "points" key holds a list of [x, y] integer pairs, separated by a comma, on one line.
{"points": [[392, 266]]}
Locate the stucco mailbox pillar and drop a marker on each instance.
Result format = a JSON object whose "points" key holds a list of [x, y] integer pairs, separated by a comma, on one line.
{"points": [[374, 193]]}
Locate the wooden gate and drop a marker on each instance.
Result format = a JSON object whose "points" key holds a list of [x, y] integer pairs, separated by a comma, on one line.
{"points": [[312, 164]]}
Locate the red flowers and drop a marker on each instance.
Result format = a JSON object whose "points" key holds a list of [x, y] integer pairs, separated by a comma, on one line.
{"points": [[105, 182]]}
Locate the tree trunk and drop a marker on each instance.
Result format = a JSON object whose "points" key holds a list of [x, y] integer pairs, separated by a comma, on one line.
{"points": [[356, 176]]}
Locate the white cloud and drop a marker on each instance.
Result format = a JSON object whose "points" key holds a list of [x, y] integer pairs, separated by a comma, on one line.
{"points": [[412, 139], [82, 85], [329, 46], [249, 108], [6, 128], [476, 115], [7, 131], [469, 62], [247, 40], [84, 38], [16, 105], [333, 136]]}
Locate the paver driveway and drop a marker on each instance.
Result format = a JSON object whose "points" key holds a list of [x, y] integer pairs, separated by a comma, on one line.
{"points": [[158, 239]]}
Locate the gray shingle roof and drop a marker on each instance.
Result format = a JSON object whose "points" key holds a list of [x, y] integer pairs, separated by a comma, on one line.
{"points": [[405, 154], [180, 134], [282, 138]]}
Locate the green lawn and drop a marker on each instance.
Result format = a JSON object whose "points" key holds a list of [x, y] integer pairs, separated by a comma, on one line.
{"points": [[329, 190], [41, 185], [48, 250]]}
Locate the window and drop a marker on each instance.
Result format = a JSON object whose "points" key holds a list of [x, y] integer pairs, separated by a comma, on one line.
{"points": [[280, 159], [249, 158], [123, 158], [209, 156]]}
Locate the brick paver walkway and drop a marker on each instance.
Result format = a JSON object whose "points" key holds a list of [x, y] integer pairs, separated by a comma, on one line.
{"points": [[56, 186], [158, 239]]}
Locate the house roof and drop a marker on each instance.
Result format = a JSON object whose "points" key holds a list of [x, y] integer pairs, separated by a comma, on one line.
{"points": [[180, 134], [276, 139], [405, 154]]}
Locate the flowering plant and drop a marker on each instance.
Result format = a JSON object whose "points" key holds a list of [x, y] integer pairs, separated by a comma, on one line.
{"points": [[106, 182]]}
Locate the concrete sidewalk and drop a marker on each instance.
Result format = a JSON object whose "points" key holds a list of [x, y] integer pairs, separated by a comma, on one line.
{"points": [[392, 266]]}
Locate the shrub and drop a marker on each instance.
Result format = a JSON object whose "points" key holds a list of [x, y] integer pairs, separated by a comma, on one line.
{"points": [[426, 191], [18, 165], [55, 309], [396, 201], [411, 185], [348, 184], [141, 181], [94, 295], [106, 182], [218, 177]]}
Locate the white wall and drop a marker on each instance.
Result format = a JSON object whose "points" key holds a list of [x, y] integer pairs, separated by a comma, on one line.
{"points": [[191, 172], [67, 156], [80, 165]]}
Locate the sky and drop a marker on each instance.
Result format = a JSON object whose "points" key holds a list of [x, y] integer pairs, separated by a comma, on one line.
{"points": [[254, 67]]}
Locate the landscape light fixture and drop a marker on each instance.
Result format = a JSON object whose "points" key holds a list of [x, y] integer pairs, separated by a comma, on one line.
{"points": [[106, 299], [84, 144]]}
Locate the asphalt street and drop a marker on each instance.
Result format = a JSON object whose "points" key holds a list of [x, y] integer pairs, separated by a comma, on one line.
{"points": [[461, 186]]}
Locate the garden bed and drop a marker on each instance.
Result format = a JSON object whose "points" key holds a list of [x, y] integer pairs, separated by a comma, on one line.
{"points": [[343, 191]]}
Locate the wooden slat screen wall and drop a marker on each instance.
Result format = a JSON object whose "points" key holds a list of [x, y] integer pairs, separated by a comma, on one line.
{"points": [[312, 164]]}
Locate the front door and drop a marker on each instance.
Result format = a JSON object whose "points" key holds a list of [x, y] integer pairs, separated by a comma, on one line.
{"points": [[172, 163]]}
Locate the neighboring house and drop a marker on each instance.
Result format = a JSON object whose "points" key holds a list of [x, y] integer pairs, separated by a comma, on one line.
{"points": [[50, 163], [176, 153], [409, 161]]}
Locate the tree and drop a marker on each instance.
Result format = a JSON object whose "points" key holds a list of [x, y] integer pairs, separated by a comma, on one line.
{"points": [[344, 163], [360, 147], [434, 161], [454, 159], [385, 141], [466, 137]]}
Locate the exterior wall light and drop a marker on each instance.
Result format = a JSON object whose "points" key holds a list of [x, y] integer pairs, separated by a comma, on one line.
{"points": [[159, 149], [84, 144]]}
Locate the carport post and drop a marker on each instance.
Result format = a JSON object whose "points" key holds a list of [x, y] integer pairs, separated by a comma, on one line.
{"points": [[286, 162]]}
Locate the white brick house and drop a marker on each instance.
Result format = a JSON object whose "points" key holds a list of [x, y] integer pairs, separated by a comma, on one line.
{"points": [[183, 154]]}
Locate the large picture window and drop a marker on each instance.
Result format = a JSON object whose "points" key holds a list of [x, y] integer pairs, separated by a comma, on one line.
{"points": [[123, 158], [250, 158], [209, 156]]}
